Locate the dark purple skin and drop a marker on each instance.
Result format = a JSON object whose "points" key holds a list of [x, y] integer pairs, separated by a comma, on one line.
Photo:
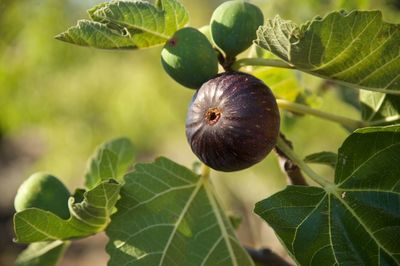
{"points": [[232, 122]]}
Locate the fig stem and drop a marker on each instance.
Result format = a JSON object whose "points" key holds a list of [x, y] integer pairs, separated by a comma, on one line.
{"points": [[285, 148], [205, 171], [260, 62], [303, 109]]}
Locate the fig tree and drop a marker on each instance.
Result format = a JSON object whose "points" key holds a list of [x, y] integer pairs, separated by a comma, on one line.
{"points": [[234, 25], [189, 58], [232, 122], [45, 192]]}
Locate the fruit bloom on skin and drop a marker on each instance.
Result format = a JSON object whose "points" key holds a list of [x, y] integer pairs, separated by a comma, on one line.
{"points": [[189, 58], [45, 192], [234, 25], [232, 122]]}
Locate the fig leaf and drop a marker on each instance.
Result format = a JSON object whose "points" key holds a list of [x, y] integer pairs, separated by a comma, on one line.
{"points": [[357, 49], [89, 216], [42, 253], [167, 215], [127, 25], [111, 160], [359, 212]]}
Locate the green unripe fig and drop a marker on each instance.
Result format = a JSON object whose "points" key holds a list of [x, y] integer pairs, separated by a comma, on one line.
{"points": [[189, 58], [234, 25], [45, 192]]}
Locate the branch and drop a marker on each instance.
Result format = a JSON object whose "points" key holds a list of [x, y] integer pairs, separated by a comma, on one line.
{"points": [[266, 257], [291, 169], [303, 109], [260, 62]]}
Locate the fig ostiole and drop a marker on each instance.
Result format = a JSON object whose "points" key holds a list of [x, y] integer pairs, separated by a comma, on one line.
{"points": [[234, 25], [45, 192], [189, 58], [232, 122]]}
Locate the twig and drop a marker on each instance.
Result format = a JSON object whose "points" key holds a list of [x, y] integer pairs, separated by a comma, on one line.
{"points": [[303, 109], [291, 169], [260, 62], [266, 257]]}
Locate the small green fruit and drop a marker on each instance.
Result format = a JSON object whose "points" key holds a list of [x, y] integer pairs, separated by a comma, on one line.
{"points": [[234, 25], [45, 192], [189, 58]]}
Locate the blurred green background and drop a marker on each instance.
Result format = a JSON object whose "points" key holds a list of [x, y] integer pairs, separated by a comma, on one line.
{"points": [[59, 101]]}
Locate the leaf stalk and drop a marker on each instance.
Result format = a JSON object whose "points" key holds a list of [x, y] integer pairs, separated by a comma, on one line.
{"points": [[285, 148]]}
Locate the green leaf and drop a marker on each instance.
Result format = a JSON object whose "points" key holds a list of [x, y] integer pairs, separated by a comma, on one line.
{"points": [[128, 25], [350, 97], [356, 48], [356, 220], [95, 34], [42, 254], [88, 217], [324, 157], [376, 106], [167, 214], [111, 160]]}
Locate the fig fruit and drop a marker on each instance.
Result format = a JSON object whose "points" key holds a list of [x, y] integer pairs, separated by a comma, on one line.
{"points": [[232, 122], [45, 192], [189, 58], [234, 25]]}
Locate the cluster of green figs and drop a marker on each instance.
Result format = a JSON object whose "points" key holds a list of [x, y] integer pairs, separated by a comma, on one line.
{"points": [[233, 119]]}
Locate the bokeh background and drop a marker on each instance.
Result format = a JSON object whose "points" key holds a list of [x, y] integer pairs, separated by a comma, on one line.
{"points": [[59, 101]]}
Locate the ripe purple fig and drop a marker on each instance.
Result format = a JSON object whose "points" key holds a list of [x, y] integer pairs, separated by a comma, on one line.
{"points": [[232, 122]]}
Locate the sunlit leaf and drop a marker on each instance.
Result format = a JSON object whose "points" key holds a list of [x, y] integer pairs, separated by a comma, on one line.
{"points": [[42, 254], [356, 48], [376, 106], [89, 216], [91, 33], [128, 25], [356, 220], [168, 215], [111, 160], [283, 82]]}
